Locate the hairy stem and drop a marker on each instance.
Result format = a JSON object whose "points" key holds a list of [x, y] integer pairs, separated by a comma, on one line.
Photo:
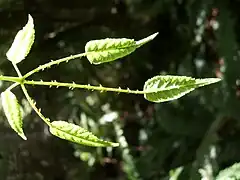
{"points": [[80, 86], [31, 102], [49, 64], [21, 80]]}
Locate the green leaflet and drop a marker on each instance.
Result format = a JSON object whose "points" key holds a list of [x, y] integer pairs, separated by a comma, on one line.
{"points": [[74, 133], [230, 173], [107, 50], [174, 173], [110, 49], [167, 88], [22, 43], [12, 111]]}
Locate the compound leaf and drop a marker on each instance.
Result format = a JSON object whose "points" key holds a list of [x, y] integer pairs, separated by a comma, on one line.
{"points": [[22, 43], [13, 112], [76, 134], [110, 49], [167, 88]]}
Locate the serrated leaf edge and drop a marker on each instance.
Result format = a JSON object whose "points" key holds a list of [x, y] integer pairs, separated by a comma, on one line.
{"points": [[12, 123], [100, 142], [11, 54], [199, 83], [190, 87]]}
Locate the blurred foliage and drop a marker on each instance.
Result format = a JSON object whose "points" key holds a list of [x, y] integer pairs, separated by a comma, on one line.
{"points": [[190, 138]]}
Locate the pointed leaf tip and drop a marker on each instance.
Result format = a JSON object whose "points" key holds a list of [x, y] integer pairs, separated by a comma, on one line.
{"points": [[146, 40], [77, 134], [12, 111], [22, 43], [110, 49], [208, 81], [23, 136], [166, 88]]}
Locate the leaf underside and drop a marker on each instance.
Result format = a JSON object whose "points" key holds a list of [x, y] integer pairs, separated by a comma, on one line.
{"points": [[22, 43], [76, 134], [13, 113]]}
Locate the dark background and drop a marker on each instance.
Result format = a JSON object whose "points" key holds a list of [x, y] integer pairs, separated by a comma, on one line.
{"points": [[197, 38]]}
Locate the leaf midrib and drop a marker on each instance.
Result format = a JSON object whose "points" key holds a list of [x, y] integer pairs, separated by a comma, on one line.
{"points": [[102, 142], [173, 88]]}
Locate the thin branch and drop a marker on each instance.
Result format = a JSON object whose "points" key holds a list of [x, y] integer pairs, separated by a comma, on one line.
{"points": [[56, 62], [31, 102], [81, 86], [11, 79]]}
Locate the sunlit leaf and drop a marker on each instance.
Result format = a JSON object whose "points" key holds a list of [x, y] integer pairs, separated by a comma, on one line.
{"points": [[22, 43], [174, 173], [167, 88], [74, 133], [13, 112], [110, 49], [230, 173]]}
